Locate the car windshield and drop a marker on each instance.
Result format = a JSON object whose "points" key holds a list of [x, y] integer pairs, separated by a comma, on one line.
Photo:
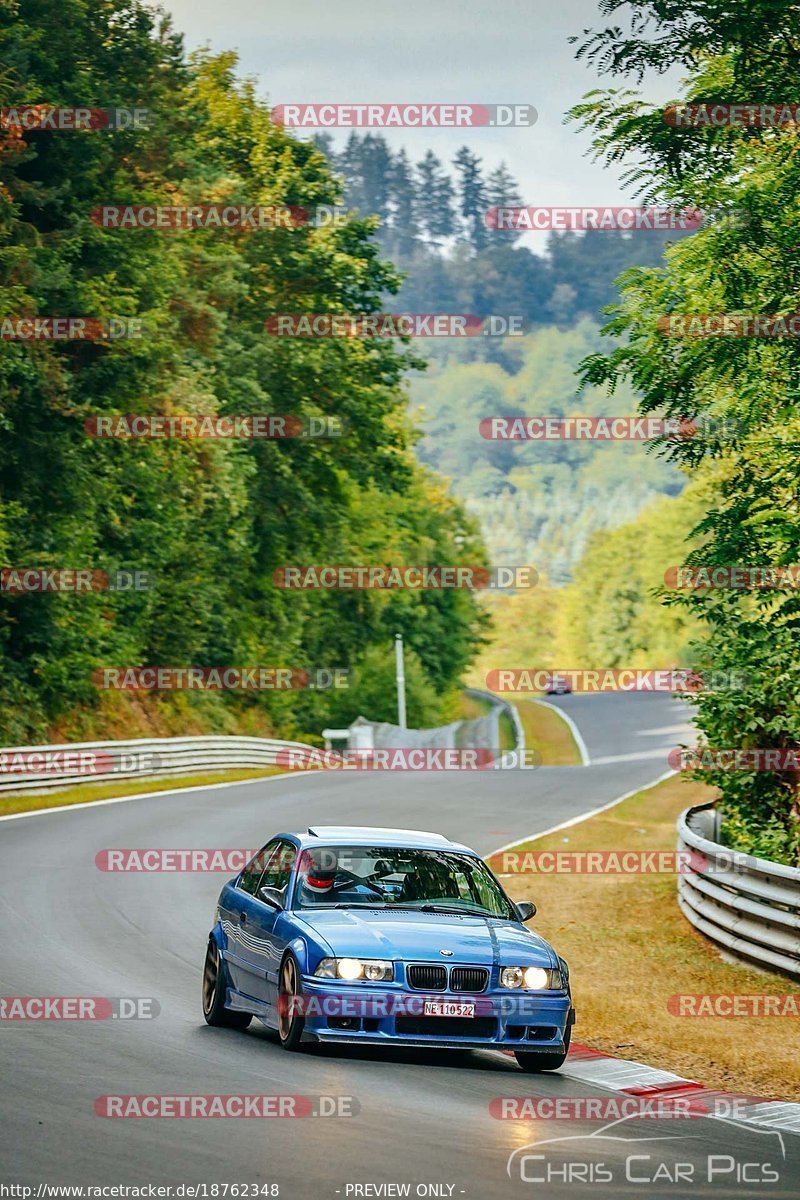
{"points": [[381, 876]]}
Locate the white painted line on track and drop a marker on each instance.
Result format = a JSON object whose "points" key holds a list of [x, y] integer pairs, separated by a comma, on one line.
{"points": [[533, 837], [200, 787], [576, 733]]}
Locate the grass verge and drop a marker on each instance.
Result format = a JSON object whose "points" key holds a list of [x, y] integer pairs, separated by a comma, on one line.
{"points": [[82, 793], [548, 734], [629, 949]]}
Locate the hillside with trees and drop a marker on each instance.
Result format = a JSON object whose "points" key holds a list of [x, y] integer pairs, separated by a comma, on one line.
{"points": [[745, 266], [431, 223], [208, 521]]}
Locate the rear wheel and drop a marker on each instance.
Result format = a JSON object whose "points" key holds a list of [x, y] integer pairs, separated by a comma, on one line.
{"points": [[290, 988], [215, 987], [543, 1062]]}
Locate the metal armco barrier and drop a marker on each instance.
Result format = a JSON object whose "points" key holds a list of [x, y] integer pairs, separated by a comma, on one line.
{"points": [[505, 706], [102, 762], [749, 906]]}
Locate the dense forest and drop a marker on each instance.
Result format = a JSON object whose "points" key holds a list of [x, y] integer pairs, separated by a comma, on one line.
{"points": [[207, 521], [746, 266], [536, 503], [432, 223]]}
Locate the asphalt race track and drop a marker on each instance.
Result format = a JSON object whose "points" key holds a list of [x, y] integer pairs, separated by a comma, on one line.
{"points": [[423, 1118]]}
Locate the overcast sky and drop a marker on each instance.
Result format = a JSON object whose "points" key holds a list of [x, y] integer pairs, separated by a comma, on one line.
{"points": [[432, 50]]}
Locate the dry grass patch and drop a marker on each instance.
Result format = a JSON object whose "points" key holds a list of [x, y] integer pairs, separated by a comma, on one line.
{"points": [[629, 949], [84, 792], [548, 734]]}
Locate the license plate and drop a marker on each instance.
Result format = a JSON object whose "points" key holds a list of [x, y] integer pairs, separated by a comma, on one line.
{"points": [[448, 1008]]}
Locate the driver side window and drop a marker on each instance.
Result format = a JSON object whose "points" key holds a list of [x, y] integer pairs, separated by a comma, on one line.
{"points": [[278, 867], [252, 873]]}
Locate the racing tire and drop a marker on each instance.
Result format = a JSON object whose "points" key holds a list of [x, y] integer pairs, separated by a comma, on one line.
{"points": [[215, 986], [290, 986], [536, 1063]]}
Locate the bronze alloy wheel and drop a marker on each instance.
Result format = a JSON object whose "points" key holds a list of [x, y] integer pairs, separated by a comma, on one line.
{"points": [[210, 977], [290, 988], [215, 989]]}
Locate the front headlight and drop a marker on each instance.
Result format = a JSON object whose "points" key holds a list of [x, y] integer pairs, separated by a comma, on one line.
{"points": [[373, 970], [536, 979]]}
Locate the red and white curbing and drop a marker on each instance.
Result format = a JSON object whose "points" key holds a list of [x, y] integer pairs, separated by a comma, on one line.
{"points": [[637, 1079]]}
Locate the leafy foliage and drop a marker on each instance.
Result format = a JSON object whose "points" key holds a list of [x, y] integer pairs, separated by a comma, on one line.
{"points": [[748, 265], [210, 521], [538, 502]]}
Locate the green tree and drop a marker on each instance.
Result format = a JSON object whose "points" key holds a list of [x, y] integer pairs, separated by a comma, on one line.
{"points": [[210, 521], [434, 200], [472, 198], [744, 263]]}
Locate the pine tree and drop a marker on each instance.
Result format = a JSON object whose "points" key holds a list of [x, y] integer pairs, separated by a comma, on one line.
{"points": [[376, 175], [434, 200], [502, 191], [404, 236], [472, 197]]}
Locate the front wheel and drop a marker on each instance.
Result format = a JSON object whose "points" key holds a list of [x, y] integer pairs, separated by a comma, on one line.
{"points": [[543, 1062], [215, 986], [290, 989]]}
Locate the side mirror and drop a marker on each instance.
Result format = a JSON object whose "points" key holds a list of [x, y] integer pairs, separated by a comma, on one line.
{"points": [[271, 896], [525, 910]]}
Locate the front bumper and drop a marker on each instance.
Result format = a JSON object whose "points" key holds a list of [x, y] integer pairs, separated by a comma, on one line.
{"points": [[530, 1021]]}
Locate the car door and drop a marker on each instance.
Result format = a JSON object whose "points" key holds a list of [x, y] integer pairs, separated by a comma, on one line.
{"points": [[239, 918], [270, 924], [255, 947]]}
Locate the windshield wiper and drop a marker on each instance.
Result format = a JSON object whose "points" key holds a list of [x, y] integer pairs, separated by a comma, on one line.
{"points": [[459, 912]]}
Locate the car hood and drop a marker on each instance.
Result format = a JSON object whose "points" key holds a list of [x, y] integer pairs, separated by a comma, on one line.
{"points": [[420, 937]]}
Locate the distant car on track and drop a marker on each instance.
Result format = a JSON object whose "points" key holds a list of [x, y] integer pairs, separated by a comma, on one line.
{"points": [[559, 685], [384, 937]]}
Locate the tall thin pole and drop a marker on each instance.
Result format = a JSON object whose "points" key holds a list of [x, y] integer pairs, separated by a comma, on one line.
{"points": [[401, 680]]}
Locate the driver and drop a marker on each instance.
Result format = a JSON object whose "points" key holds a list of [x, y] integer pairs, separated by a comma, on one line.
{"points": [[318, 876], [324, 876]]}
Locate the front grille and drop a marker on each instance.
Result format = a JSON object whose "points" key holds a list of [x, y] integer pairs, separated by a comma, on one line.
{"points": [[447, 1027], [469, 979], [427, 978]]}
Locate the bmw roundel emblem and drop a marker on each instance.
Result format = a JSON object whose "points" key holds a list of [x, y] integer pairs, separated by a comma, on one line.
{"points": [[447, 953]]}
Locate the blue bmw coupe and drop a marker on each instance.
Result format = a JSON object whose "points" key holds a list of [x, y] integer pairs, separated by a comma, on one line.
{"points": [[384, 937]]}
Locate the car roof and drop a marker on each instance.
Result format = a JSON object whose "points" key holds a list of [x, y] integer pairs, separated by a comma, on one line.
{"points": [[369, 835]]}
